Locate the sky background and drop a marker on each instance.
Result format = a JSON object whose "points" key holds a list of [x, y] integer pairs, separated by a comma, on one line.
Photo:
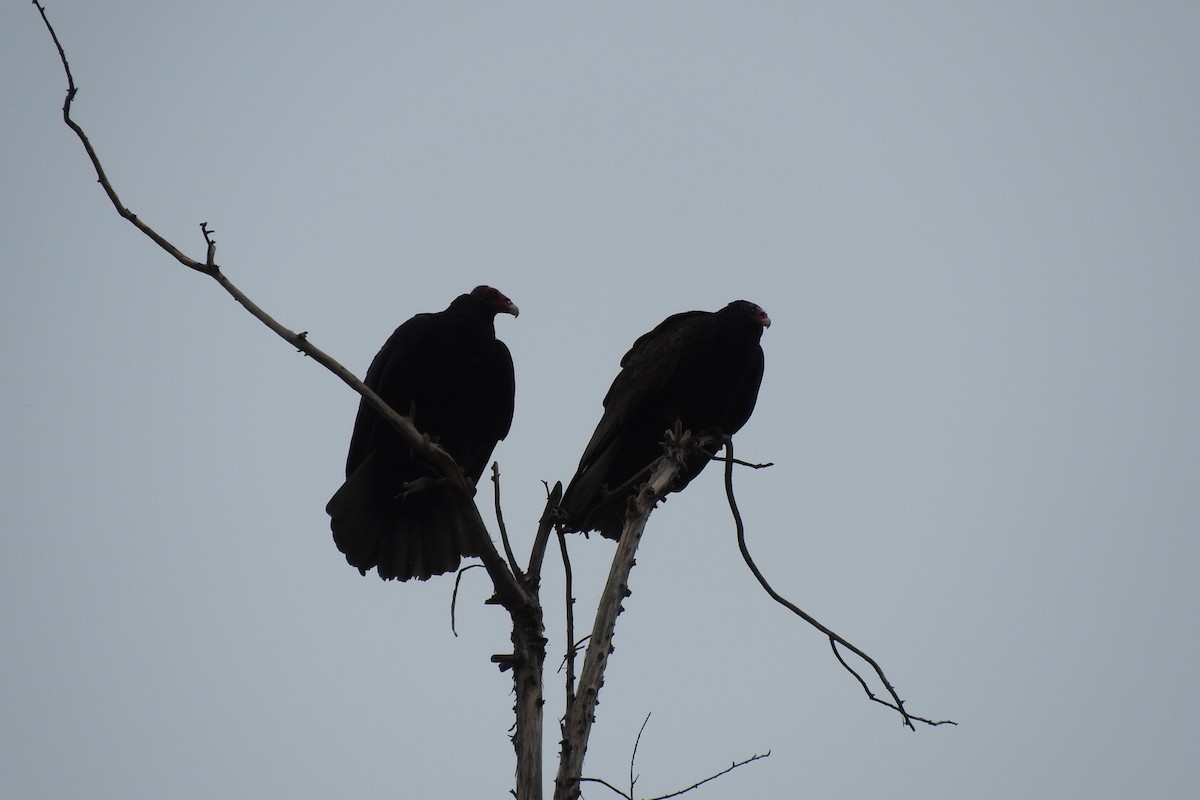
{"points": [[976, 228]]}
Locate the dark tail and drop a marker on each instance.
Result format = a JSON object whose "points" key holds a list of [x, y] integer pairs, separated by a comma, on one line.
{"points": [[423, 532], [587, 505]]}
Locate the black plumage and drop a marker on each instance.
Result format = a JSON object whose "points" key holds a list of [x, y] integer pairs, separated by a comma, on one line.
{"points": [[698, 369], [446, 370]]}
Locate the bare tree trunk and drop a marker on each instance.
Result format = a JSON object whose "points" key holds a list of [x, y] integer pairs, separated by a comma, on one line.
{"points": [[529, 644], [581, 713]]}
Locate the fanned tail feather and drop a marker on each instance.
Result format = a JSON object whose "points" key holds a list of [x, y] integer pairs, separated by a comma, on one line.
{"points": [[414, 534]]}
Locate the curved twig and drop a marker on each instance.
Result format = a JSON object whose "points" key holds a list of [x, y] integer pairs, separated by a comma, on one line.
{"points": [[454, 596], [835, 639]]}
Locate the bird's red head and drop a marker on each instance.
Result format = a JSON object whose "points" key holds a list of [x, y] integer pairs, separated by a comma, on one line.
{"points": [[496, 299], [752, 310]]}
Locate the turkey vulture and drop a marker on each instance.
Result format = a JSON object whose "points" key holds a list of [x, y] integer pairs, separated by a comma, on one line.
{"points": [[700, 369], [446, 370]]}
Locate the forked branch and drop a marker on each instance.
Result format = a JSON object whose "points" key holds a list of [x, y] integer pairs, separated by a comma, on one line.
{"points": [[835, 640]]}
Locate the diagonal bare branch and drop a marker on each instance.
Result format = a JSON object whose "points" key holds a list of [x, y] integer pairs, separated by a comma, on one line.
{"points": [[577, 722], [603, 782], [685, 790], [725, 771], [508, 589]]}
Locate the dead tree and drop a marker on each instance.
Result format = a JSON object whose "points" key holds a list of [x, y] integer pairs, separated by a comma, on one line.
{"points": [[515, 588]]}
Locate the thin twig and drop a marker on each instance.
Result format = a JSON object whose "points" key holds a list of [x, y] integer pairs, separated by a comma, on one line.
{"points": [[454, 597], [508, 551], [725, 771], [578, 646], [633, 755], [569, 601], [834, 638], [695, 785], [603, 782], [741, 463], [72, 90]]}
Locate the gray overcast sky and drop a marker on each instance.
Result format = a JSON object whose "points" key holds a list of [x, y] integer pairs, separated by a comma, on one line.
{"points": [[976, 228]]}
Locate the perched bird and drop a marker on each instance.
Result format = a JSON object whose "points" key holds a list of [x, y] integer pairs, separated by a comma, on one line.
{"points": [[699, 369], [446, 370]]}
